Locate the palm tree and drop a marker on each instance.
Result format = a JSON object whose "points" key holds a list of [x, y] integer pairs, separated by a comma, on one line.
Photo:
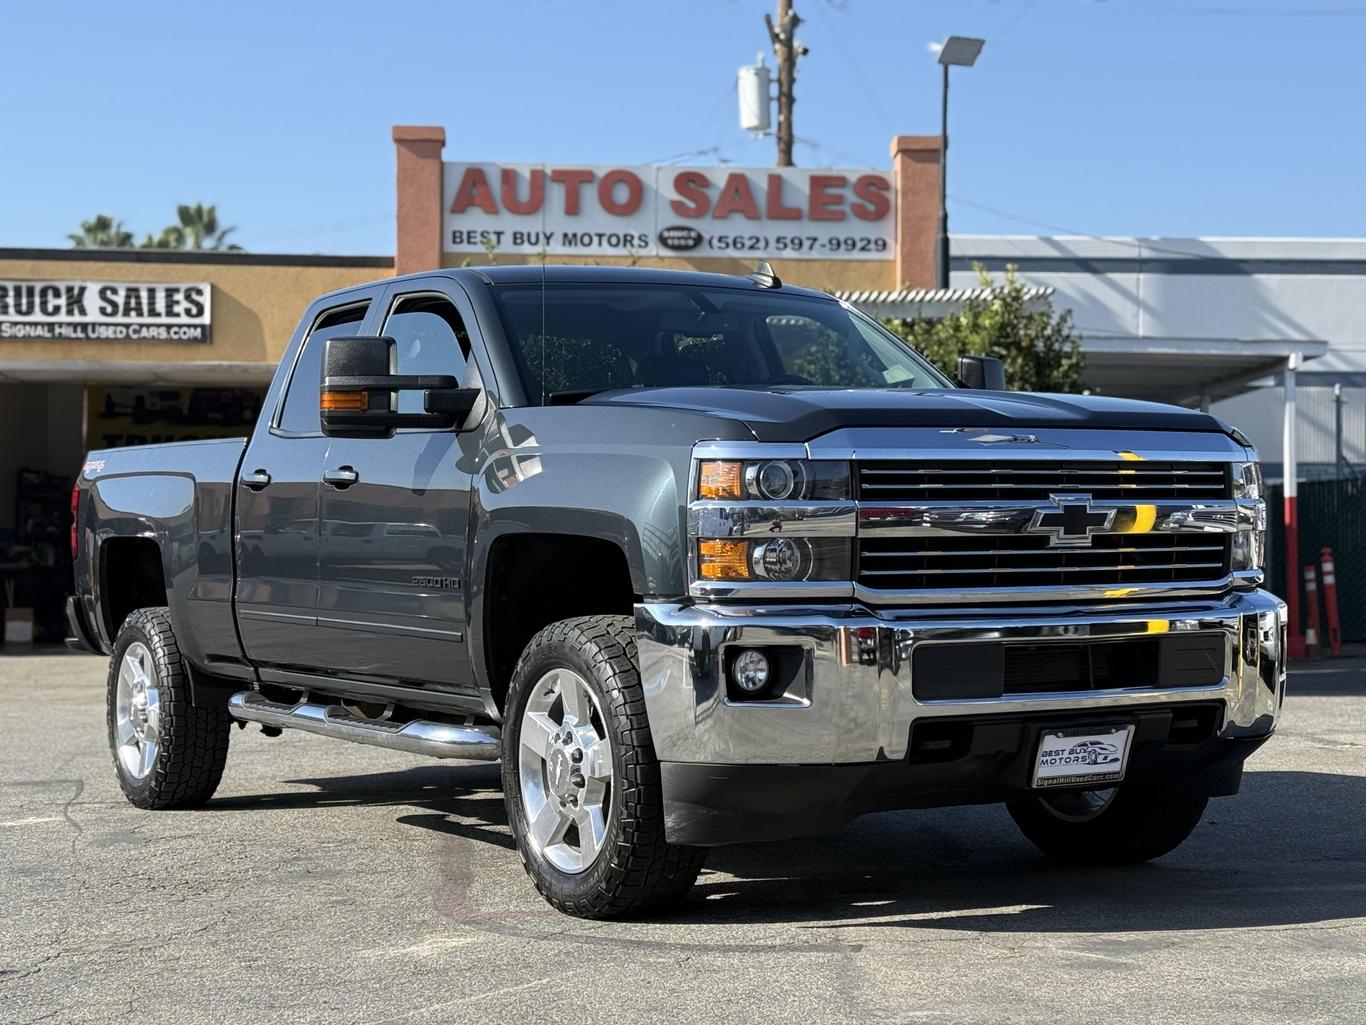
{"points": [[102, 232], [170, 238], [199, 228]]}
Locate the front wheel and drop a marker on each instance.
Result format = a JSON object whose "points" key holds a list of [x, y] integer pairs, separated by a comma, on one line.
{"points": [[168, 752], [580, 776], [1114, 826]]}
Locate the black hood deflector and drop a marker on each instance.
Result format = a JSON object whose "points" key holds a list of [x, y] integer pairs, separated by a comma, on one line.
{"points": [[800, 414]]}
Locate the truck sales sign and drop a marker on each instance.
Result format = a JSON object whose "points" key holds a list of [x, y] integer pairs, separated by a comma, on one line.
{"points": [[773, 213], [104, 311]]}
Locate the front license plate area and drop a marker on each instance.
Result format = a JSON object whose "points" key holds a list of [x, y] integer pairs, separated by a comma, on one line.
{"points": [[1082, 756]]}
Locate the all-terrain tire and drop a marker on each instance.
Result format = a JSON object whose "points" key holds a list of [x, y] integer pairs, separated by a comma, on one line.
{"points": [[637, 869], [1140, 823], [192, 742]]}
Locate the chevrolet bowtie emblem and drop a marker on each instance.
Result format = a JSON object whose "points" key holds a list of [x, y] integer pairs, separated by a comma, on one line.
{"points": [[1072, 522]]}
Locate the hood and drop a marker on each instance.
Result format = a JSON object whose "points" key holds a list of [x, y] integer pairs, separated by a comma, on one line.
{"points": [[800, 414]]}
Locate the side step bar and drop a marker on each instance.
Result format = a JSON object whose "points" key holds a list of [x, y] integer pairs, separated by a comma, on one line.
{"points": [[437, 739]]}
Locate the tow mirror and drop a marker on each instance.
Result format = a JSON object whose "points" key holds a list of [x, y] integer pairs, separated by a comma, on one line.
{"points": [[359, 392], [986, 373]]}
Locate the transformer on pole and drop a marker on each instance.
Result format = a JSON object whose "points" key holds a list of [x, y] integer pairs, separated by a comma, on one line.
{"points": [[754, 88]]}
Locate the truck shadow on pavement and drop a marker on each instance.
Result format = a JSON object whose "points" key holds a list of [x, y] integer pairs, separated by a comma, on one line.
{"points": [[1290, 850]]}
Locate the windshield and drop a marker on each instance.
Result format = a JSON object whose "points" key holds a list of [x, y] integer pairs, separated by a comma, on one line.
{"points": [[573, 339]]}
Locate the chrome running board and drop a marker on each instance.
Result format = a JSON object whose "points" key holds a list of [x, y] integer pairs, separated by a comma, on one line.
{"points": [[421, 737]]}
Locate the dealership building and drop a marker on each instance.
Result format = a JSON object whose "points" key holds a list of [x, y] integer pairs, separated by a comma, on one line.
{"points": [[123, 347]]}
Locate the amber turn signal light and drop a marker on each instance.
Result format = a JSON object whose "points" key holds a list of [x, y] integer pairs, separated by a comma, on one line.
{"points": [[723, 560], [345, 400], [719, 480]]}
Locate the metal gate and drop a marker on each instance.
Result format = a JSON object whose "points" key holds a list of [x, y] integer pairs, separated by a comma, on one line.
{"points": [[1332, 513]]}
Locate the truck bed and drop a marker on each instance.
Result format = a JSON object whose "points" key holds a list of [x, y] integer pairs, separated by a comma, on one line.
{"points": [[178, 495]]}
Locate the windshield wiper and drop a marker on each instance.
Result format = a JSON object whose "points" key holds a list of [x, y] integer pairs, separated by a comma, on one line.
{"points": [[572, 396]]}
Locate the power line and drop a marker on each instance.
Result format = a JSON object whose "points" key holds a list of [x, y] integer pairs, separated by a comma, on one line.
{"points": [[869, 93]]}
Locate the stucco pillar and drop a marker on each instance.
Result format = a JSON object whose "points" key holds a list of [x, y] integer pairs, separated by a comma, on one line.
{"points": [[916, 167], [418, 152]]}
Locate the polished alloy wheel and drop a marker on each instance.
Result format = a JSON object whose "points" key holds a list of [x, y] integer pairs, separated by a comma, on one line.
{"points": [[137, 712], [564, 765], [1079, 805]]}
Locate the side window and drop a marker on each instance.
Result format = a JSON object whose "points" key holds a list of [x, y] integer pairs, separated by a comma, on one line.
{"points": [[300, 413], [431, 339]]}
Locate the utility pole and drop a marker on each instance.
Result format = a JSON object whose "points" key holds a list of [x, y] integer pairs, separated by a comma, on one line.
{"points": [[786, 50]]}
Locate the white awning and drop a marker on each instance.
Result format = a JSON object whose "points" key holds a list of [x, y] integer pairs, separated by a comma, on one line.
{"points": [[930, 303], [1187, 371]]}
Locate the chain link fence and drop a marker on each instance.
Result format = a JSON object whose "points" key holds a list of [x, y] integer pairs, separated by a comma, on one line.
{"points": [[1332, 513]]}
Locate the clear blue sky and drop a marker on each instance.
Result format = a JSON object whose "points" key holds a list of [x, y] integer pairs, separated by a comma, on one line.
{"points": [[1131, 117]]}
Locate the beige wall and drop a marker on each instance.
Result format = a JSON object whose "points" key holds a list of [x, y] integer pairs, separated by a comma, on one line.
{"points": [[255, 306], [829, 275]]}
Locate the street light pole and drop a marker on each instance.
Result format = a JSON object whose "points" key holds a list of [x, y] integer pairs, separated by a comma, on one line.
{"points": [[962, 51]]}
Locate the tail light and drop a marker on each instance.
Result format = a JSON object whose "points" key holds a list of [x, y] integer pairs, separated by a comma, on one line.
{"points": [[75, 508]]}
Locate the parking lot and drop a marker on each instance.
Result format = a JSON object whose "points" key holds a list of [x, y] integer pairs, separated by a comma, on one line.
{"points": [[333, 883]]}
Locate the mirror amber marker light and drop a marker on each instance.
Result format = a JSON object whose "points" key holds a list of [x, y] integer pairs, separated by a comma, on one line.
{"points": [[348, 400]]}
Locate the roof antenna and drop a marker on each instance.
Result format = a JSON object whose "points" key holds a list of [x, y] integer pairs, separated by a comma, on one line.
{"points": [[764, 277]]}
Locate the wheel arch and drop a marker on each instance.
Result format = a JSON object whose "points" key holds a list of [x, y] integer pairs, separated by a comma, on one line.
{"points": [[524, 580]]}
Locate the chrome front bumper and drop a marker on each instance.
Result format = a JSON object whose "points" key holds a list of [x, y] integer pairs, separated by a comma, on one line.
{"points": [[855, 702]]}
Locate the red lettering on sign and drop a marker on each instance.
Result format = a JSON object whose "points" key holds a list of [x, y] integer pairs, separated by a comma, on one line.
{"points": [[773, 204], [508, 192], [872, 189], [827, 197], [693, 200], [573, 181], [474, 191], [635, 192], [736, 197]]}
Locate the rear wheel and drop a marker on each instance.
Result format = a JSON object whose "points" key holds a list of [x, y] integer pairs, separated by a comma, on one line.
{"points": [[580, 777], [167, 752], [1114, 826]]}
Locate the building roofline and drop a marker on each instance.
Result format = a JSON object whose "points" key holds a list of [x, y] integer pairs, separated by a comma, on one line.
{"points": [[189, 256]]}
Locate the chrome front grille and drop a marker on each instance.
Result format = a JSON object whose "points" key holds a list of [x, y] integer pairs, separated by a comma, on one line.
{"points": [[975, 480], [1041, 529], [1012, 562]]}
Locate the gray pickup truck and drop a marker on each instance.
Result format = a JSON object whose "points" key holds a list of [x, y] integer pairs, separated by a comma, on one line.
{"points": [[701, 560]]}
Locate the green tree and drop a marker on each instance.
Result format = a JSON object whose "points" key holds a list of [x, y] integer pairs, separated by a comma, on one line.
{"points": [[102, 232], [1041, 350], [198, 228], [170, 238]]}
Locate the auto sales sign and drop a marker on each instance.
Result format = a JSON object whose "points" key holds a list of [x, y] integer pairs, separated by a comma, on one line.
{"points": [[105, 311], [773, 213]]}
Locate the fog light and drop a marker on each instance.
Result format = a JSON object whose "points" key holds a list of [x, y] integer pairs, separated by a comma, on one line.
{"points": [[750, 671]]}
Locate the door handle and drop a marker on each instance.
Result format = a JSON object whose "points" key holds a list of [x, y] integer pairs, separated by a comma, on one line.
{"points": [[256, 480], [342, 477]]}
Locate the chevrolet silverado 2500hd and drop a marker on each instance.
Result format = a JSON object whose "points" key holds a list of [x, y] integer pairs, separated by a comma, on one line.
{"points": [[701, 560]]}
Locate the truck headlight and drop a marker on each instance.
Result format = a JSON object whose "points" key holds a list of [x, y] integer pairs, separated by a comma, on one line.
{"points": [[1249, 546], [1249, 549], [772, 480], [1247, 481], [777, 559]]}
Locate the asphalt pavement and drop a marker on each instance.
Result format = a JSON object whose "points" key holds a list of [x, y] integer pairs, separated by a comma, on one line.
{"points": [[333, 883]]}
